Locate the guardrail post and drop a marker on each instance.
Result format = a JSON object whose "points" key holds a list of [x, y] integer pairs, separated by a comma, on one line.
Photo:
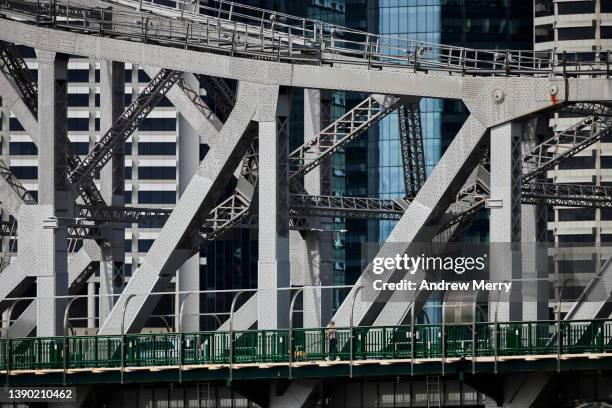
{"points": [[412, 338], [474, 338], [231, 334], [125, 305], [290, 345], [180, 337], [8, 340], [65, 348], [443, 338], [351, 330]]}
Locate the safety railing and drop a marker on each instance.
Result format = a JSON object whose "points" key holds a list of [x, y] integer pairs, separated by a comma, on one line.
{"points": [[222, 27], [421, 341]]}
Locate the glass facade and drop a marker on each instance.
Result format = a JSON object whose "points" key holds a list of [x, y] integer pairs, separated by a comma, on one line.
{"points": [[488, 24]]}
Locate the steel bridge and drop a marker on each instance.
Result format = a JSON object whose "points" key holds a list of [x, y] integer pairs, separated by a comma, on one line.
{"points": [[500, 160]]}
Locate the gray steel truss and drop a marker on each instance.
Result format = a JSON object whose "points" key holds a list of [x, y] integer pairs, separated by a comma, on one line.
{"points": [[13, 65], [178, 237], [351, 125], [347, 207], [413, 153], [123, 127], [565, 144], [566, 195]]}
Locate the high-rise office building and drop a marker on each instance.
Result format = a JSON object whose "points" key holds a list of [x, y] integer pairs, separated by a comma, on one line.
{"points": [[578, 31], [481, 24]]}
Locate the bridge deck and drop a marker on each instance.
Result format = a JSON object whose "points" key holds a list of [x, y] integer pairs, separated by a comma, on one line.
{"points": [[398, 350]]}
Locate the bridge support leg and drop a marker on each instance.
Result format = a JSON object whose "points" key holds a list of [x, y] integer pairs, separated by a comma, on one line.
{"points": [[534, 235], [273, 263], [55, 201], [505, 219], [315, 247], [188, 277], [112, 185]]}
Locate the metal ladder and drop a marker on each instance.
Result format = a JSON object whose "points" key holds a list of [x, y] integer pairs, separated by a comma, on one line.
{"points": [[433, 391]]}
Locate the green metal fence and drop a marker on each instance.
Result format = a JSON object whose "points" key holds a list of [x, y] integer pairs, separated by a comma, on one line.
{"points": [[270, 346]]}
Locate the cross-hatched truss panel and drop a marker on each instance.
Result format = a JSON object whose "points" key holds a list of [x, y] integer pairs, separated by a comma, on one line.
{"points": [[413, 152], [124, 126], [565, 144], [348, 127]]}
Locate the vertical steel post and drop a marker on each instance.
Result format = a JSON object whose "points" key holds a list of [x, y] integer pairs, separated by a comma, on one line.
{"points": [[231, 333], [65, 349], [180, 335], [559, 336], [8, 340], [351, 330], [291, 330], [125, 305]]}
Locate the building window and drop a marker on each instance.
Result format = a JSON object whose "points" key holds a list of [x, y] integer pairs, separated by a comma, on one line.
{"points": [[158, 124], [544, 8], [576, 7], [606, 162], [606, 32], [578, 238], [78, 124], [576, 33], [157, 197], [80, 148], [78, 75], [606, 6], [156, 148], [15, 126], [79, 99], [145, 244], [577, 214], [544, 33], [23, 148], [157, 173], [577, 162], [25, 172]]}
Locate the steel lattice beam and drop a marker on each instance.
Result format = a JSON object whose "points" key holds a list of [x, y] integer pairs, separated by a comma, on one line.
{"points": [[347, 207], [124, 126], [219, 92], [565, 144], [567, 195], [15, 184], [12, 64], [345, 129], [128, 215], [413, 153]]}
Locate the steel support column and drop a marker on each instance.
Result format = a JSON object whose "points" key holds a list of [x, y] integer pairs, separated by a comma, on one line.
{"points": [[273, 247], [533, 236], [55, 200], [188, 277], [112, 185], [505, 219], [314, 255]]}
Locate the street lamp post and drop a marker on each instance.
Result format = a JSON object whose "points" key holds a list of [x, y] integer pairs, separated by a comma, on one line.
{"points": [[65, 351], [291, 331], [125, 305], [180, 335], [351, 329]]}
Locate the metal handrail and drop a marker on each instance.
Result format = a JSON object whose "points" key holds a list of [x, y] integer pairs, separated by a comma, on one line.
{"points": [[266, 36]]}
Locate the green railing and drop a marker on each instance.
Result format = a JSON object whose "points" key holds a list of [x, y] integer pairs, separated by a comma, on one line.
{"points": [[273, 346]]}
